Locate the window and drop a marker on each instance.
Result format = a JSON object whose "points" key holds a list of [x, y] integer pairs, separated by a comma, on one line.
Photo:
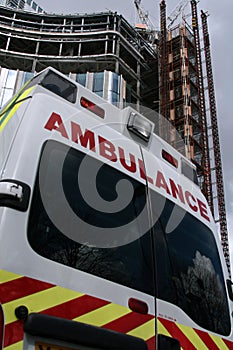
{"points": [[56, 84], [178, 92], [189, 272], [179, 111], [115, 82], [98, 83], [188, 268], [115, 98], [27, 77], [34, 6], [60, 86], [129, 264], [8, 85], [81, 78]]}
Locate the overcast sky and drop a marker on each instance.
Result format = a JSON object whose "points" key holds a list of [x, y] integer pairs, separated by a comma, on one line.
{"points": [[220, 29]]}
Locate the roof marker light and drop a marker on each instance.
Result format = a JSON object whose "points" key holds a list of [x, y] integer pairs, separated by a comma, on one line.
{"points": [[140, 126], [189, 171], [92, 107], [169, 158]]}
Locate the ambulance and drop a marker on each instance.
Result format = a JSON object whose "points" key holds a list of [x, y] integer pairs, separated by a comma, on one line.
{"points": [[106, 240]]}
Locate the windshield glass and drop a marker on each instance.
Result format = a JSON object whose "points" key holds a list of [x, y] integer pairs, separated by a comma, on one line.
{"points": [[127, 261], [56, 84], [187, 266], [189, 272]]}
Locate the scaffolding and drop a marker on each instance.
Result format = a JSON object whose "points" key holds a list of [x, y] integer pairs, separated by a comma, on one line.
{"points": [[163, 73], [183, 103]]}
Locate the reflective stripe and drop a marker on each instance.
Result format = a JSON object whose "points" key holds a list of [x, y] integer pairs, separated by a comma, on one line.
{"points": [[103, 315], [60, 302], [16, 346], [220, 343], [12, 107], [193, 337], [163, 330], [177, 333], [15, 289], [39, 301], [6, 276], [145, 331]]}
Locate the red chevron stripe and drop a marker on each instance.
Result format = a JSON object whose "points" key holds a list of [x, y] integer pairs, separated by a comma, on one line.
{"points": [[128, 322], [68, 310], [21, 287], [229, 344], [151, 343], [206, 338], [76, 307], [13, 333], [174, 330]]}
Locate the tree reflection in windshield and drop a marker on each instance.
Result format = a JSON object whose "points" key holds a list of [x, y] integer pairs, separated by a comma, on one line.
{"points": [[189, 271]]}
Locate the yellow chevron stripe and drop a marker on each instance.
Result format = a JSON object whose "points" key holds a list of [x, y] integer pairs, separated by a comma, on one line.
{"points": [[162, 329], [219, 342], [193, 337], [40, 301], [6, 276], [103, 315], [145, 331], [15, 346], [14, 109]]}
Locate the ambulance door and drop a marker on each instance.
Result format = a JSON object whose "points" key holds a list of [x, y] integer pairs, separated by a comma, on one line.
{"points": [[157, 205]]}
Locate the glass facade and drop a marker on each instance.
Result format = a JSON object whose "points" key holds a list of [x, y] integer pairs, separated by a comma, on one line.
{"points": [[81, 78], [10, 82], [105, 84], [98, 83]]}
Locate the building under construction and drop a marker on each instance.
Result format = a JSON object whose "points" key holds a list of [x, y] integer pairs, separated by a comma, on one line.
{"points": [[101, 51], [187, 100], [161, 70]]}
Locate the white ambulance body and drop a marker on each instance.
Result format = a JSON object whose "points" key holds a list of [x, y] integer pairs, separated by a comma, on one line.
{"points": [[106, 241]]}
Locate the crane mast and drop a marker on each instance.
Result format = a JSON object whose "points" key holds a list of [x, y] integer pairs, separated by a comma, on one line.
{"points": [[207, 189], [221, 212]]}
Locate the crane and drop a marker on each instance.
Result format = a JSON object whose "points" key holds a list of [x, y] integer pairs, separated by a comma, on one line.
{"points": [[146, 25], [176, 12], [144, 16]]}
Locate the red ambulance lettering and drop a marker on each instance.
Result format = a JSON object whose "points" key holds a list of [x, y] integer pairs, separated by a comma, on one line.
{"points": [[87, 138], [130, 167], [161, 182], [176, 190], [189, 196], [55, 123], [107, 149], [203, 209]]}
